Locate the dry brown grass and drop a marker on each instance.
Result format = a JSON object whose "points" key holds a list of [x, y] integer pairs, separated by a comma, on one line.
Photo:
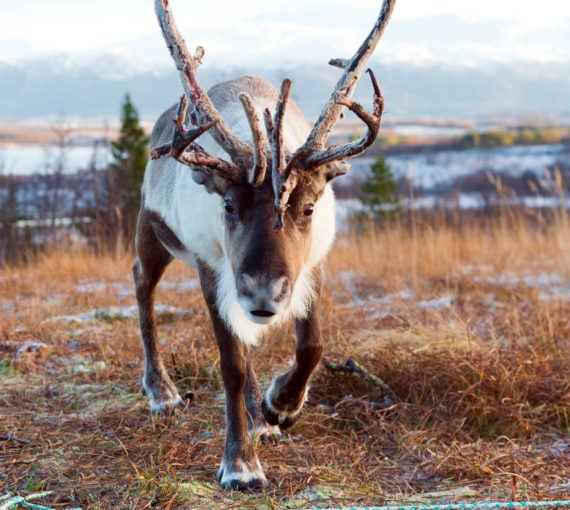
{"points": [[470, 328]]}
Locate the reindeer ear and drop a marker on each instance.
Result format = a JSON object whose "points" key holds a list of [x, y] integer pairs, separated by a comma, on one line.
{"points": [[336, 169], [212, 183]]}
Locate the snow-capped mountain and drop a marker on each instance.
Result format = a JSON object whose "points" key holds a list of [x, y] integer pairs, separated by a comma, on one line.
{"points": [[433, 66]]}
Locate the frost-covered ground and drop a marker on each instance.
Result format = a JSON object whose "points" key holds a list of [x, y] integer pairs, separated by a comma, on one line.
{"points": [[547, 287], [429, 169], [470, 333]]}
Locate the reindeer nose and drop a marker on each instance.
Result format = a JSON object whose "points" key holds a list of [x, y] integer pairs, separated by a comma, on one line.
{"points": [[265, 295], [280, 289]]}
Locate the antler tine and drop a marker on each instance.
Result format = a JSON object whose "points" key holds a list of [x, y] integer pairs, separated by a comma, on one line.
{"points": [[345, 86], [358, 146], [282, 182], [197, 159], [201, 161], [186, 63], [268, 122], [256, 175], [182, 137]]}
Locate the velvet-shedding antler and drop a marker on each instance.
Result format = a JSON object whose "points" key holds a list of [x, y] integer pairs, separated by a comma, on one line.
{"points": [[256, 175], [353, 69], [204, 112], [313, 153], [283, 184], [197, 158], [372, 121]]}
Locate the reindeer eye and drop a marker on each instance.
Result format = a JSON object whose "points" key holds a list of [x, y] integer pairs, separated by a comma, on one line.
{"points": [[308, 210], [229, 205]]}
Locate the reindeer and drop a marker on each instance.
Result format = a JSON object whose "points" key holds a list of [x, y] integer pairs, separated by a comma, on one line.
{"points": [[257, 227]]}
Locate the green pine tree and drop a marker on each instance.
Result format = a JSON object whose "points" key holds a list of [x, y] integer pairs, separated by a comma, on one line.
{"points": [[379, 190], [130, 154], [10, 250]]}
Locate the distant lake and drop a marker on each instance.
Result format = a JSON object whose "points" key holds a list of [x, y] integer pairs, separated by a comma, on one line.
{"points": [[427, 168], [29, 159]]}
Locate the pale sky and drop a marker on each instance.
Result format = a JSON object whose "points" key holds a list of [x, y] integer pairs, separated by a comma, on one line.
{"points": [[66, 25]]}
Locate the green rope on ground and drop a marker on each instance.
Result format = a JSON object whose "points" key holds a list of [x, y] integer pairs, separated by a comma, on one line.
{"points": [[465, 506], [14, 502]]}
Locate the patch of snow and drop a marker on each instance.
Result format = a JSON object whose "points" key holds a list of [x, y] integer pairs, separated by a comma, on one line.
{"points": [[127, 289], [8, 306], [30, 347], [347, 279], [441, 302], [560, 447], [345, 209], [120, 289], [401, 295], [551, 286], [181, 286], [114, 313], [79, 364], [430, 169], [555, 293]]}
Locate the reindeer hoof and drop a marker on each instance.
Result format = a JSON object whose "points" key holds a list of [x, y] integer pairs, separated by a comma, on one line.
{"points": [[163, 398], [242, 480], [266, 433], [238, 485], [283, 419], [166, 408]]}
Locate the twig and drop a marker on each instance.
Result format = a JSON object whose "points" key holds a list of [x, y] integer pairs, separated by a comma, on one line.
{"points": [[11, 437], [352, 367]]}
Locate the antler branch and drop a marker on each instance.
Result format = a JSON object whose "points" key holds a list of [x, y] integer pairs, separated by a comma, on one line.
{"points": [[283, 182], [345, 86], [258, 170], [183, 139], [205, 111], [358, 146], [313, 153]]}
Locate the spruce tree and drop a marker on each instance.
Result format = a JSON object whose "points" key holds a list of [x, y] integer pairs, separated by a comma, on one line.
{"points": [[379, 190], [130, 154], [10, 250]]}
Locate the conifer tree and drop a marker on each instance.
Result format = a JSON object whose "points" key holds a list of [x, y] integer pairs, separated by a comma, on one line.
{"points": [[130, 154], [379, 190]]}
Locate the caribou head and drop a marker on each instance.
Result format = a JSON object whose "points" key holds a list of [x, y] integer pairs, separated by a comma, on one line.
{"points": [[270, 192]]}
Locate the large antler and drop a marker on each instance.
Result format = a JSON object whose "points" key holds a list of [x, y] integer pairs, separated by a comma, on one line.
{"points": [[340, 97], [313, 152], [205, 116], [203, 110], [372, 121]]}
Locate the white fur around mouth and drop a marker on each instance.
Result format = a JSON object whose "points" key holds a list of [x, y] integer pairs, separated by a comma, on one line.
{"points": [[234, 311]]}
